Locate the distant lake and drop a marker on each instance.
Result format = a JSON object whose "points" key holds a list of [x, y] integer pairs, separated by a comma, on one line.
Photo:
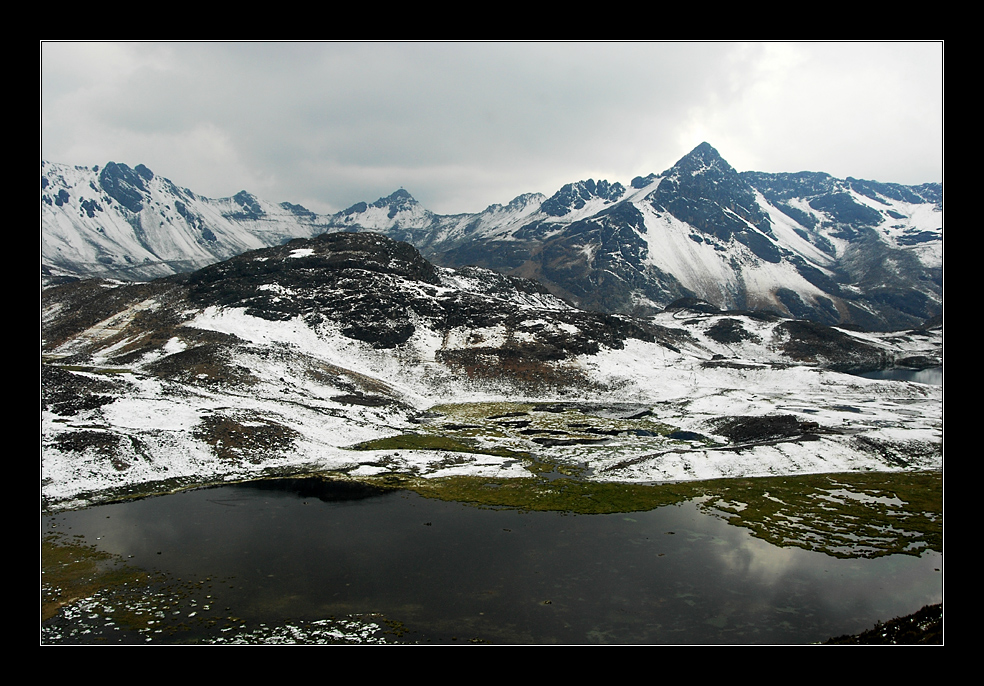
{"points": [[933, 375], [450, 572]]}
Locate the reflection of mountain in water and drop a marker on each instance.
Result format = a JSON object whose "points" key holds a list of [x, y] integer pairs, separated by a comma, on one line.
{"points": [[325, 490]]}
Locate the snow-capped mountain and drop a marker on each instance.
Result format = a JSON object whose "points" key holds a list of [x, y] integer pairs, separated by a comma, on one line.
{"points": [[132, 224], [805, 245]]}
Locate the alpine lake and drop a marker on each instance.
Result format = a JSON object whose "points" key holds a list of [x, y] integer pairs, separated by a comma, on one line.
{"points": [[553, 559]]}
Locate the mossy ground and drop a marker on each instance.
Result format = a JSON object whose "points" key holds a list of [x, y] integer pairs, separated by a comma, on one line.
{"points": [[566, 435], [842, 515], [432, 442]]}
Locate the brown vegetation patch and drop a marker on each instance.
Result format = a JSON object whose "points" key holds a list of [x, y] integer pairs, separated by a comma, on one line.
{"points": [[805, 341], [70, 571], [730, 331], [511, 365], [900, 453], [119, 450], [78, 306], [251, 439], [208, 363], [66, 393]]}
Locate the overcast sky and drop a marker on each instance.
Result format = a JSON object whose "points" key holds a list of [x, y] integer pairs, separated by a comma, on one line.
{"points": [[465, 125]]}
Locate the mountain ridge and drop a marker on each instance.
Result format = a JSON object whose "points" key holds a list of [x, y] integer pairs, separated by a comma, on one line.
{"points": [[804, 244]]}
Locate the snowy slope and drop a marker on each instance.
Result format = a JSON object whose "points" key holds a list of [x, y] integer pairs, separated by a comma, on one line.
{"points": [[279, 361], [131, 224]]}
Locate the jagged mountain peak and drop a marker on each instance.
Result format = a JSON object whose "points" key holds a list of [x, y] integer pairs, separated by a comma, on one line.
{"points": [[789, 242], [520, 202], [574, 196], [527, 199], [400, 199], [130, 223], [701, 160], [397, 211], [249, 203], [125, 185]]}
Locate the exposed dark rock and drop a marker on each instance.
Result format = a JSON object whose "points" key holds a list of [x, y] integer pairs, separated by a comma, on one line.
{"points": [[703, 190], [805, 341], [845, 210], [90, 207], [730, 331], [924, 627], [693, 305], [67, 393], [299, 210], [124, 185], [376, 288], [574, 196], [686, 436], [752, 429]]}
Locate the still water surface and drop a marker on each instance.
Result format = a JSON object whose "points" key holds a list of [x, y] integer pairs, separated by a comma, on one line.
{"points": [[932, 375], [452, 572]]}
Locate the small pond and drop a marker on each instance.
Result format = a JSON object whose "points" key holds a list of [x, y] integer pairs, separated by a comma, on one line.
{"points": [[280, 559], [932, 375]]}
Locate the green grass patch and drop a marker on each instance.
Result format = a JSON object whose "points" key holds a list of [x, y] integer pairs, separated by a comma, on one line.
{"points": [[843, 515], [434, 442], [556, 495]]}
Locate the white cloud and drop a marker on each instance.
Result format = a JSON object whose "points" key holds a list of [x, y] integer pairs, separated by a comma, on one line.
{"points": [[465, 125]]}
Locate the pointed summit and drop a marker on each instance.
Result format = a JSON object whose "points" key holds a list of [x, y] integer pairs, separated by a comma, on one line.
{"points": [[705, 150], [399, 201], [574, 196], [703, 190], [398, 197], [702, 158]]}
